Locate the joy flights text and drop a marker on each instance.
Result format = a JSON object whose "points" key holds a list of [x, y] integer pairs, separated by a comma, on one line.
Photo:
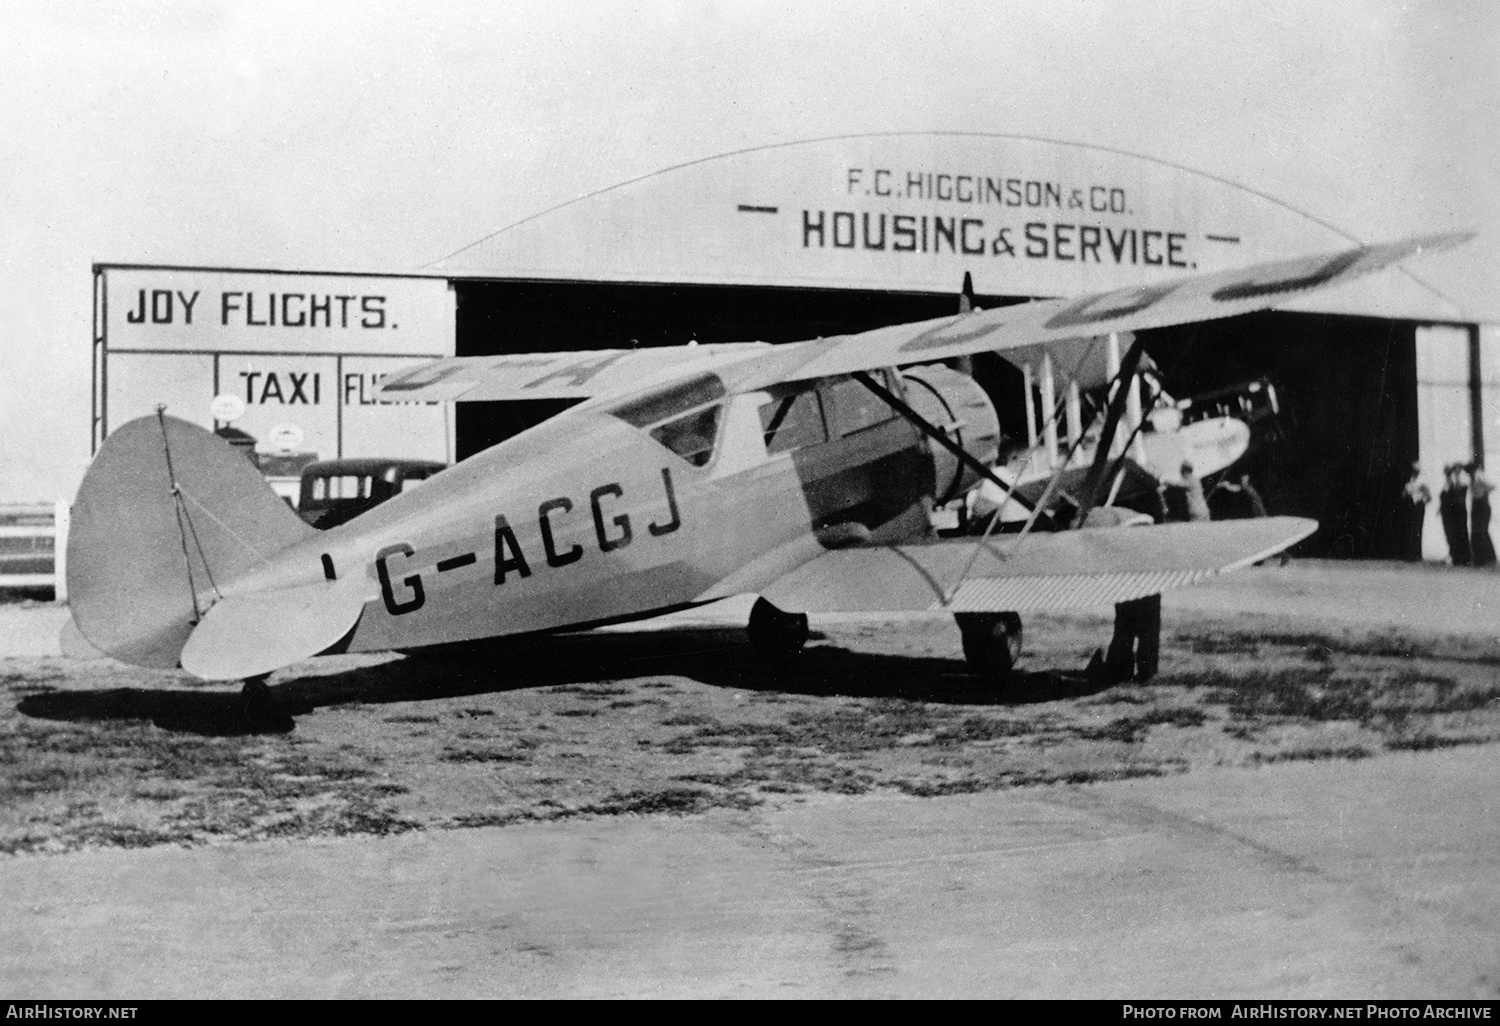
{"points": [[1278, 1011]]}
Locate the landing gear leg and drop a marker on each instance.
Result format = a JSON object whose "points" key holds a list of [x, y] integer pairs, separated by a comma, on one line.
{"points": [[774, 632], [992, 642]]}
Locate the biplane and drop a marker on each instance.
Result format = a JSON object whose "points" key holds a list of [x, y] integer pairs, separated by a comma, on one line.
{"points": [[1154, 442], [805, 474]]}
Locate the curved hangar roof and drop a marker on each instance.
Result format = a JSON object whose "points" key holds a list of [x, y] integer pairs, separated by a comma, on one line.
{"points": [[913, 212]]}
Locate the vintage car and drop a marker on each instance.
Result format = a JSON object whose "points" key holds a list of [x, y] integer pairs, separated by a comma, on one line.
{"points": [[334, 492]]}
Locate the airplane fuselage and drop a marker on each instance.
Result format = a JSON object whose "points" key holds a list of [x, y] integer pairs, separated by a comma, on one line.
{"points": [[591, 519]]}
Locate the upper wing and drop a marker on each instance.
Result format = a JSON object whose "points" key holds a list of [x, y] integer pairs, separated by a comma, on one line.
{"points": [[579, 375], [571, 375], [1066, 570], [1181, 301]]}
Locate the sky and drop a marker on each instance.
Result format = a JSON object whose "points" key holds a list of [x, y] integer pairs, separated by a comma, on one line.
{"points": [[383, 136]]}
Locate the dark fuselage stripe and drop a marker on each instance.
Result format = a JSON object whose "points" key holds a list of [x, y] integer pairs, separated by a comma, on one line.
{"points": [[456, 562]]}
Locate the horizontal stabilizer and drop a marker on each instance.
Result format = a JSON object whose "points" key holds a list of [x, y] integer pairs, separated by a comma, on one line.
{"points": [[1209, 445], [248, 635], [1066, 570]]}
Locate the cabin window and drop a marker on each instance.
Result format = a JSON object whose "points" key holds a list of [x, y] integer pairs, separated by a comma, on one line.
{"points": [[855, 407], [679, 398], [691, 437], [683, 417], [793, 421]]}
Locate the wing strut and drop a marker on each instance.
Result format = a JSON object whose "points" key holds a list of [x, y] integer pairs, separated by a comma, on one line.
{"points": [[900, 406], [941, 437], [1093, 483], [935, 433]]}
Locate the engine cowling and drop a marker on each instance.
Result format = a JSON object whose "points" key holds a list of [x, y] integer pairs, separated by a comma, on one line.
{"points": [[954, 403]]}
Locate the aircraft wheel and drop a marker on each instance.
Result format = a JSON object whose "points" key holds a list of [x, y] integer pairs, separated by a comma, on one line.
{"points": [[775, 632], [992, 642], [255, 697]]}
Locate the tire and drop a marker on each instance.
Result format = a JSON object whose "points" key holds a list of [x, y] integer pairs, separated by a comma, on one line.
{"points": [[255, 698], [992, 642], [775, 633]]}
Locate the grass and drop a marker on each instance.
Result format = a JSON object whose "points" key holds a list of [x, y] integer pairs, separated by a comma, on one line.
{"points": [[1315, 694], [477, 755], [117, 763], [1313, 753], [149, 786]]}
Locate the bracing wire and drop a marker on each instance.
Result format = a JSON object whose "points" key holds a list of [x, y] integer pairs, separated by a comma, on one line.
{"points": [[184, 516]]}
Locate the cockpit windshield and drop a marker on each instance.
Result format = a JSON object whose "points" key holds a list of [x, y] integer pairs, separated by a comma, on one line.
{"points": [[683, 417]]}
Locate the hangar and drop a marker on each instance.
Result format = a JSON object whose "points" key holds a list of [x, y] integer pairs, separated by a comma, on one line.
{"points": [[828, 236]]}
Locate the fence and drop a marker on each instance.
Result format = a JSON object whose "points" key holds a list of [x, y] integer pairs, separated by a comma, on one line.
{"points": [[34, 546]]}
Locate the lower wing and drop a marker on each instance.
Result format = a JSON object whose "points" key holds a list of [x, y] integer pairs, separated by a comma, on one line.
{"points": [[1066, 570]]}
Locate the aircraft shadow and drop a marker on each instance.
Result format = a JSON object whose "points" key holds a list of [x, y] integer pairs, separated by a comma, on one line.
{"points": [[715, 656], [210, 713]]}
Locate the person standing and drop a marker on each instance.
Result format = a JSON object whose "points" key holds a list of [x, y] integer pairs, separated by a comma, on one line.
{"points": [[1418, 495], [1135, 649], [1479, 515], [1453, 508]]}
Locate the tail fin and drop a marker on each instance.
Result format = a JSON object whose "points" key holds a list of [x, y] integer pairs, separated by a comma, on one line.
{"points": [[167, 515]]}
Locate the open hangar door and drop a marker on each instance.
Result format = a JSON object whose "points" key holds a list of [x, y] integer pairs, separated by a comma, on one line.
{"points": [[1346, 385], [1348, 434]]}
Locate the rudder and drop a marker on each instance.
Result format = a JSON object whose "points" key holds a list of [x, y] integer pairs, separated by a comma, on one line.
{"points": [[166, 516]]}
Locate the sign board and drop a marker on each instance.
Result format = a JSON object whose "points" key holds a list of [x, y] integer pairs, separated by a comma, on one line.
{"points": [[915, 211], [275, 353]]}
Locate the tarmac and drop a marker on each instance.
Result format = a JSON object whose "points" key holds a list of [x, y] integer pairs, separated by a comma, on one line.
{"points": [[1316, 880]]}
